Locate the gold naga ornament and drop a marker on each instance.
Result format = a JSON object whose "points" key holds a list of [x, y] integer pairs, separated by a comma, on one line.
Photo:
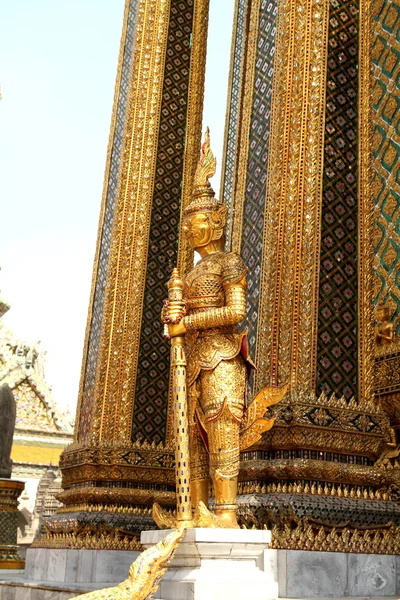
{"points": [[210, 363], [144, 574]]}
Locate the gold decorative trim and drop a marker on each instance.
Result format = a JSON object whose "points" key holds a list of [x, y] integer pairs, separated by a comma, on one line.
{"points": [[244, 122], [109, 497], [10, 559], [279, 470], [108, 460], [107, 508], [102, 211], [387, 381], [123, 306], [319, 488], [97, 473], [379, 540], [387, 371], [388, 349], [91, 537], [328, 425], [286, 344], [333, 440], [365, 210], [11, 488]]}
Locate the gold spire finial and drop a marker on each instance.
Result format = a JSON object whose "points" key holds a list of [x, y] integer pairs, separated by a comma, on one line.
{"points": [[203, 196], [206, 168]]}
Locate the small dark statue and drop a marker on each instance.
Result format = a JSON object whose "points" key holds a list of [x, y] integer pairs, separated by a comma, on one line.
{"points": [[7, 425]]}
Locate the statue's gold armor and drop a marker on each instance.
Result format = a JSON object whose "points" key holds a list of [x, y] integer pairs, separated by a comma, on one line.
{"points": [[215, 294]]}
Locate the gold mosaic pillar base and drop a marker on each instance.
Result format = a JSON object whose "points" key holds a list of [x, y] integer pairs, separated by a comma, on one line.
{"points": [[9, 493]]}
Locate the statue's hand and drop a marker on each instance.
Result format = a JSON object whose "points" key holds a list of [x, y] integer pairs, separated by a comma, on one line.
{"points": [[175, 329], [173, 311]]}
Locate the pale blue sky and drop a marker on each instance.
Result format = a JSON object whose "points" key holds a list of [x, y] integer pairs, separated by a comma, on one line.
{"points": [[57, 72]]}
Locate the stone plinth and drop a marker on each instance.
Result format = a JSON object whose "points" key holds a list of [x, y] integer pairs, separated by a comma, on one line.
{"points": [[59, 574], [304, 574], [211, 564], [9, 493], [70, 566]]}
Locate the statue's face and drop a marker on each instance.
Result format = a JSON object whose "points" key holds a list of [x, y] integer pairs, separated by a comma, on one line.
{"points": [[198, 230], [382, 314]]}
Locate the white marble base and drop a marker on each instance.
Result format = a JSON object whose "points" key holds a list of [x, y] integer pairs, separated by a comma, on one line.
{"points": [[78, 566], [16, 587], [212, 564], [52, 573], [305, 574]]}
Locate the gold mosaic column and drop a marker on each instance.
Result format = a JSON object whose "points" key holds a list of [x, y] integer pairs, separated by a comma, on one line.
{"points": [[386, 154], [121, 455], [292, 222], [386, 194], [285, 344], [293, 76]]}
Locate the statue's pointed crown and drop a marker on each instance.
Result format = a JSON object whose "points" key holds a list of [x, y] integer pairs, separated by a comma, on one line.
{"points": [[203, 196], [388, 304]]}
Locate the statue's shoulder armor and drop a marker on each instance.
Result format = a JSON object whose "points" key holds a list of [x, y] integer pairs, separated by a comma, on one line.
{"points": [[232, 267], [227, 267]]}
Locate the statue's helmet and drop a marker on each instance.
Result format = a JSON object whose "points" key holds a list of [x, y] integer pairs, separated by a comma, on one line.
{"points": [[203, 196]]}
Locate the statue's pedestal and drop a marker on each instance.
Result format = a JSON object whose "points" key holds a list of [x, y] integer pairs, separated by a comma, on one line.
{"points": [[211, 564]]}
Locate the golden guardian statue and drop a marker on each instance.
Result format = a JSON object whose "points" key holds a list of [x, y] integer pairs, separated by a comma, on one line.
{"points": [[203, 313]]}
